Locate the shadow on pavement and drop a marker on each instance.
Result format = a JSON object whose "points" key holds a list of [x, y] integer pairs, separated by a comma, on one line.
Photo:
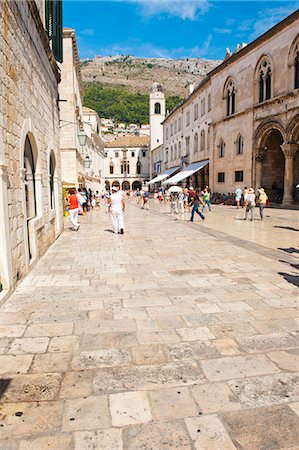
{"points": [[293, 279], [4, 383], [289, 250], [286, 228]]}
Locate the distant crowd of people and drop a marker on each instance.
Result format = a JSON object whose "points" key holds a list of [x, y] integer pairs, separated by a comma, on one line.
{"points": [[187, 200]]}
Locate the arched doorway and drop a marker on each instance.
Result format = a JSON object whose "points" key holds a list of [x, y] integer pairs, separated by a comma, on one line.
{"points": [[273, 166], [116, 184], [30, 189], [136, 185], [107, 185], [126, 186], [292, 155]]}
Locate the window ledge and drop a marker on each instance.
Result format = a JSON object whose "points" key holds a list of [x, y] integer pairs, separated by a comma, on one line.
{"points": [[36, 224]]}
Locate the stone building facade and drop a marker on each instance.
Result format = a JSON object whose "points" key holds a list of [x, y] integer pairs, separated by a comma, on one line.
{"points": [[244, 118], [81, 146], [127, 162], [30, 173]]}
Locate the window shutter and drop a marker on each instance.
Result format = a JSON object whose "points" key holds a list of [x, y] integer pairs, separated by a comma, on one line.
{"points": [[54, 26]]}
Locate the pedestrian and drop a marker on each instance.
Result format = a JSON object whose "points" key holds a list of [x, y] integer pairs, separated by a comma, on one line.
{"points": [[174, 203], [250, 203], [206, 199], [97, 199], [181, 201], [160, 197], [262, 201], [145, 198], [73, 208], [83, 198], [238, 196], [196, 201], [245, 192], [117, 207]]}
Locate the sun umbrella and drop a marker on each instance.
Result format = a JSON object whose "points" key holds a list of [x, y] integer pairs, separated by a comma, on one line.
{"points": [[175, 189]]}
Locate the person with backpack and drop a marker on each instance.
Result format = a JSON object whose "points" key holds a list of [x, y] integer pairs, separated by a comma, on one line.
{"points": [[262, 201], [249, 200]]}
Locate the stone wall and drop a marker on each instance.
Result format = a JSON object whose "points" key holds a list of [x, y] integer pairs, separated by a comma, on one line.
{"points": [[28, 107]]}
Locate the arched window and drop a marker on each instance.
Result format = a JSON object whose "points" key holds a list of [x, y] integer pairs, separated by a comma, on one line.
{"points": [[171, 153], [195, 143], [30, 188], [175, 151], [297, 71], [265, 80], [157, 108], [240, 145], [128, 167], [138, 168], [221, 149], [111, 168], [230, 96], [51, 180], [209, 102], [180, 150], [202, 140]]}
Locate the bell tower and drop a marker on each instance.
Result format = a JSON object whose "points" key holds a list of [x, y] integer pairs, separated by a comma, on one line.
{"points": [[157, 115]]}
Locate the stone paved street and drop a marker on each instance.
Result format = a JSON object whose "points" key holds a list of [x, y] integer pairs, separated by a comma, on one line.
{"points": [[173, 336]]}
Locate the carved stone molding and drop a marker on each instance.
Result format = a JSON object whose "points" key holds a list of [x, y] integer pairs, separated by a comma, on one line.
{"points": [[289, 150]]}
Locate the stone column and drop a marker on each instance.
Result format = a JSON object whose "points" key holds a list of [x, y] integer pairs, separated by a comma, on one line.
{"points": [[5, 254], [289, 151], [259, 158]]}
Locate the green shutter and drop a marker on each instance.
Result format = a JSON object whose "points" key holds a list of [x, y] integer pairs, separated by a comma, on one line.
{"points": [[54, 26]]}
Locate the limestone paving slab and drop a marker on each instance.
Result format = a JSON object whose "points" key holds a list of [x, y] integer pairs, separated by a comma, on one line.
{"points": [[216, 397], [208, 433], [31, 387], [29, 345], [15, 363], [108, 439], [129, 408], [100, 358], [59, 442], [275, 427], [26, 418], [172, 403], [86, 413], [157, 435]]}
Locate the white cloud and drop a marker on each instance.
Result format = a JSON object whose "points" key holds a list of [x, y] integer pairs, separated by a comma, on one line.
{"points": [[269, 17], [222, 30], [185, 9], [88, 32]]}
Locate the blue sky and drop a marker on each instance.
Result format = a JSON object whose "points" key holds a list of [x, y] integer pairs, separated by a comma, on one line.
{"points": [[170, 28]]}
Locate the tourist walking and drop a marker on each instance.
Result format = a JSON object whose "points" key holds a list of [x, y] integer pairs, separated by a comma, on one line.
{"points": [[181, 202], [206, 199], [262, 201], [73, 208], [117, 207], [238, 196], [145, 198], [249, 200], [196, 201]]}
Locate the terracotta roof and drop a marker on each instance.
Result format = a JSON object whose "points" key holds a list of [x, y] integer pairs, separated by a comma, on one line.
{"points": [[128, 141]]}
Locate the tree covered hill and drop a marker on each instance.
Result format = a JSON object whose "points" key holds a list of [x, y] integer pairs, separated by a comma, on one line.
{"points": [[120, 104]]}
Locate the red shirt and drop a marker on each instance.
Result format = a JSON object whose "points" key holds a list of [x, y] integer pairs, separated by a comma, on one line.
{"points": [[73, 201]]}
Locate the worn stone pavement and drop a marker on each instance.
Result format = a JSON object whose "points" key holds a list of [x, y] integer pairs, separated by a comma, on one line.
{"points": [[168, 337]]}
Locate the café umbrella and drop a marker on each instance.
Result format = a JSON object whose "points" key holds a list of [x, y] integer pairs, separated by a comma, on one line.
{"points": [[175, 189]]}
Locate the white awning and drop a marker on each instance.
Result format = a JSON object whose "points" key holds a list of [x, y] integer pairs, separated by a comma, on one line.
{"points": [[187, 172], [164, 175]]}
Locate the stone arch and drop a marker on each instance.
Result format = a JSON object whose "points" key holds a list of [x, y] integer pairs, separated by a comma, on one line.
{"points": [[293, 64], [263, 78], [116, 184], [125, 186], [136, 185], [157, 108], [107, 185], [28, 130], [292, 131], [229, 95], [260, 134]]}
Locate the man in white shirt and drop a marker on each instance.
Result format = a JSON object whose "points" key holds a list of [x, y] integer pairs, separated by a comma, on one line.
{"points": [[117, 207]]}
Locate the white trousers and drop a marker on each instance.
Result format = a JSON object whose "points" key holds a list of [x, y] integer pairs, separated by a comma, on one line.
{"points": [[73, 216], [117, 218]]}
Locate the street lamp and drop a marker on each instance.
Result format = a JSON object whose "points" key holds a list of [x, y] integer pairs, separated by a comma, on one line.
{"points": [[87, 162], [82, 137]]}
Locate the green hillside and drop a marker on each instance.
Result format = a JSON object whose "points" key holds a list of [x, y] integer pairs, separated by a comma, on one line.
{"points": [[120, 104]]}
